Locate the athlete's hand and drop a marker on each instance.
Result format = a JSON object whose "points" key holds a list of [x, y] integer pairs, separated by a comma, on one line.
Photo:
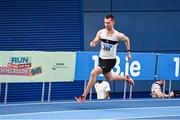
{"points": [[128, 55], [92, 44]]}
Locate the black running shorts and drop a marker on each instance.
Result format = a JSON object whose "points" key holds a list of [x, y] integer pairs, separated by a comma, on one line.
{"points": [[106, 64]]}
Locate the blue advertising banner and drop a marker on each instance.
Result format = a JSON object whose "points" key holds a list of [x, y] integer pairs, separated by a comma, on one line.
{"points": [[140, 67], [168, 67]]}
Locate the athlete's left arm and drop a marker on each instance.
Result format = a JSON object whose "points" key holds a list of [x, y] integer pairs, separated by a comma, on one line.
{"points": [[124, 38]]}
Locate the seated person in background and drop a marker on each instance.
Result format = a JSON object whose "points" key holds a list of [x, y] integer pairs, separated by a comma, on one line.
{"points": [[102, 89], [156, 90]]}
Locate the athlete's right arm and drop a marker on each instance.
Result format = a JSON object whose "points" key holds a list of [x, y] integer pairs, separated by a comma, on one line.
{"points": [[94, 42]]}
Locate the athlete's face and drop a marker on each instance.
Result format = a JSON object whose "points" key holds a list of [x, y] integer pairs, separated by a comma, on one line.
{"points": [[109, 23]]}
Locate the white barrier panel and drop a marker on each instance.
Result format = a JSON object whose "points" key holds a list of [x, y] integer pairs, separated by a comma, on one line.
{"points": [[37, 66]]}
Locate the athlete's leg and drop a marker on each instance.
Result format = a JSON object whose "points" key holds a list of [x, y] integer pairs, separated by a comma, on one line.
{"points": [[94, 73], [113, 76], [109, 76]]}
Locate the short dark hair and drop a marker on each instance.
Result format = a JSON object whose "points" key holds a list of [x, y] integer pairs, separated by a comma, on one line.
{"points": [[110, 17]]}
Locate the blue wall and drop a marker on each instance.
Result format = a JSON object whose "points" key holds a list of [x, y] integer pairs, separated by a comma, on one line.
{"points": [[41, 25], [151, 25]]}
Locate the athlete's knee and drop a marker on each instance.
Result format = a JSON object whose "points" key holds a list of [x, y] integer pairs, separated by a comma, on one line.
{"points": [[110, 79]]}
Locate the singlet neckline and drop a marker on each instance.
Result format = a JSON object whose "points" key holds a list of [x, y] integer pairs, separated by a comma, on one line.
{"points": [[106, 32]]}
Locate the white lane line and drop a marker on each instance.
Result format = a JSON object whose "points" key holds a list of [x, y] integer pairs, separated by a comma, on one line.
{"points": [[35, 113], [93, 101]]}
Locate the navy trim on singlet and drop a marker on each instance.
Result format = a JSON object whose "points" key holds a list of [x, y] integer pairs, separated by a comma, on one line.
{"points": [[109, 41], [158, 84]]}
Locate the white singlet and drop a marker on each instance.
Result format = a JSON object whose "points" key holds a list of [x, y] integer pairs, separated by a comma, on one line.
{"points": [[108, 44]]}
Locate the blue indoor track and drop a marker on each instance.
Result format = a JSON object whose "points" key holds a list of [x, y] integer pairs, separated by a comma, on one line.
{"points": [[95, 110]]}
